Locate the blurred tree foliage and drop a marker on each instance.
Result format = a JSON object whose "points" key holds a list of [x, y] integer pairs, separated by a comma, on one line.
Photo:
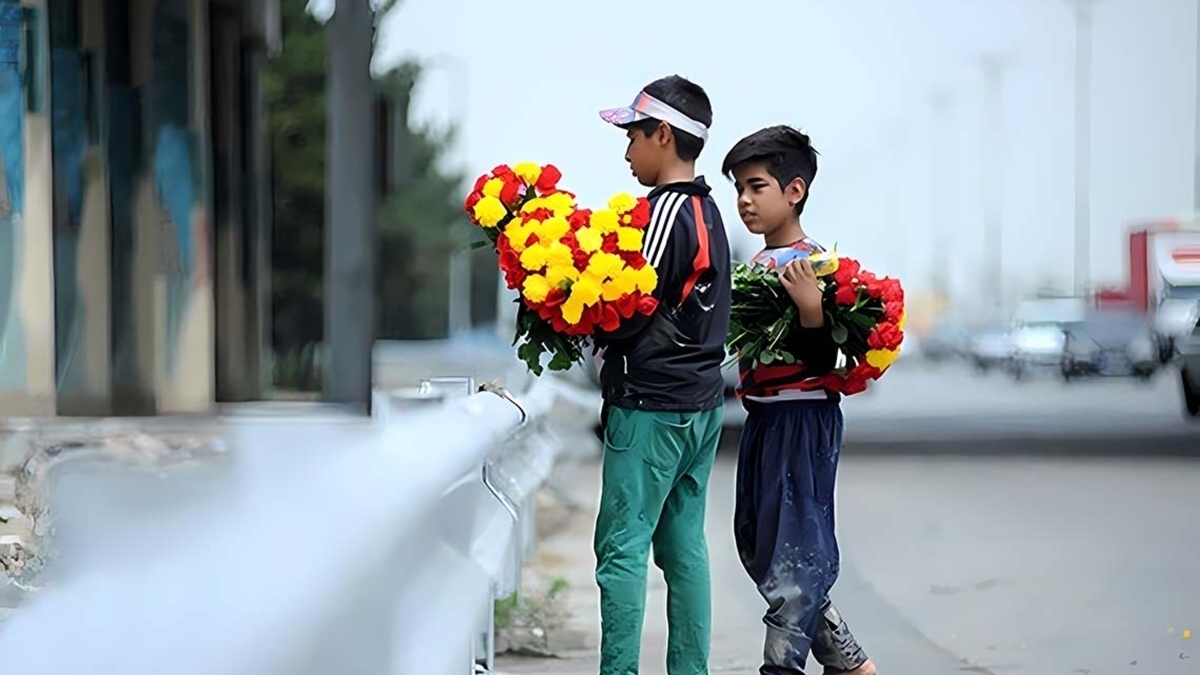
{"points": [[420, 222]]}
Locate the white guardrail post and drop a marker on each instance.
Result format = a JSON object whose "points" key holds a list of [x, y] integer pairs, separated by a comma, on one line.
{"points": [[356, 547]]}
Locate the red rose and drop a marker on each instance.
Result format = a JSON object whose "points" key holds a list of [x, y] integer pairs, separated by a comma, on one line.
{"points": [[855, 383], [640, 215], [548, 181], [472, 200], [556, 297], [634, 259], [884, 336], [892, 291], [611, 320], [511, 190], [580, 218], [626, 305], [610, 243], [871, 282], [846, 294], [892, 310], [510, 264], [480, 182], [503, 171], [581, 259], [647, 304], [847, 269], [539, 214]]}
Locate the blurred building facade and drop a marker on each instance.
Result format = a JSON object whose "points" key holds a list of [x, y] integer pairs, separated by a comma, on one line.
{"points": [[134, 205]]}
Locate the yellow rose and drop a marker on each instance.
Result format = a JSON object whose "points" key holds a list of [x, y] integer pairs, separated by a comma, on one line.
{"points": [[517, 234], [903, 319], [552, 229], [572, 310], [605, 221], [535, 288], [561, 203], [622, 202], [534, 204], [558, 253], [629, 239], [824, 263], [882, 358], [602, 265], [589, 239], [562, 276], [493, 187], [645, 279], [489, 211], [587, 289], [619, 286], [534, 258], [528, 172]]}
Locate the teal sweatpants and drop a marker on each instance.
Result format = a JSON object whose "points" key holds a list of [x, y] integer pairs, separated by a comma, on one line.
{"points": [[655, 484]]}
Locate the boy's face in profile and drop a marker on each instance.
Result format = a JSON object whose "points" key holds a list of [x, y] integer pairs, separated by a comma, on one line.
{"points": [[762, 204], [645, 153]]}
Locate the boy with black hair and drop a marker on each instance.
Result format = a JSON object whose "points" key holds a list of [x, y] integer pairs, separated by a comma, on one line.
{"points": [[663, 391], [788, 454]]}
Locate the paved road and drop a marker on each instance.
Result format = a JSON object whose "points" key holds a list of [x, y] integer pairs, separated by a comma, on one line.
{"points": [[961, 565], [949, 410]]}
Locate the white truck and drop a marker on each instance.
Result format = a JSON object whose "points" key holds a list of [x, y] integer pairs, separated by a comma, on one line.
{"points": [[1164, 283]]}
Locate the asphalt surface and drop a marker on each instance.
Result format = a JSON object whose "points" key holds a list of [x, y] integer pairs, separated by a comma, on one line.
{"points": [[987, 526], [1025, 565], [951, 410], [952, 565]]}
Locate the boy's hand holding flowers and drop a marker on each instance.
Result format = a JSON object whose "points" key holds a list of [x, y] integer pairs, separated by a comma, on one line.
{"points": [[801, 284]]}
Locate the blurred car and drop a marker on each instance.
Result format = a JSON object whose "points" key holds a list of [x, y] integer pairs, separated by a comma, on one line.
{"points": [[945, 343], [1110, 344], [1036, 347], [1188, 357], [990, 347]]}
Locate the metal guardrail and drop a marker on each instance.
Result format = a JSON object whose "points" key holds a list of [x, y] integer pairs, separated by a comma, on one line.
{"points": [[357, 548]]}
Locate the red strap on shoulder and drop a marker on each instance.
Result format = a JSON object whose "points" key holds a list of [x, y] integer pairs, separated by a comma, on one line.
{"points": [[702, 262]]}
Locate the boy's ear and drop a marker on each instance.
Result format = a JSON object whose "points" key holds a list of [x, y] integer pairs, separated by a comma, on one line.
{"points": [[795, 191], [663, 135]]}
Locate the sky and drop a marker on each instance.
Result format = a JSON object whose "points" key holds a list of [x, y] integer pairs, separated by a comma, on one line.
{"points": [[896, 183]]}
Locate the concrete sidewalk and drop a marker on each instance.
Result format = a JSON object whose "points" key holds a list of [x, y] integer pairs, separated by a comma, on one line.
{"points": [[945, 569], [738, 629]]}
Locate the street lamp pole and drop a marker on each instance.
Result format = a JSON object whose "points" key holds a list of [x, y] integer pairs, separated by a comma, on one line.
{"points": [[992, 156], [1083, 142], [940, 193]]}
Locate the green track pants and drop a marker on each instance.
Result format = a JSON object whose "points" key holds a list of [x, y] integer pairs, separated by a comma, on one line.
{"points": [[655, 483]]}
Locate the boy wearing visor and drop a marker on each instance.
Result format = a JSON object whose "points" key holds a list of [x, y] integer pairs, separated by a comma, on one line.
{"points": [[663, 391]]}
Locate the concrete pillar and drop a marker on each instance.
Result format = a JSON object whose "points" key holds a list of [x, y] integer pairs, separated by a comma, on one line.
{"points": [[351, 210], [81, 208], [171, 206], [240, 179], [27, 382]]}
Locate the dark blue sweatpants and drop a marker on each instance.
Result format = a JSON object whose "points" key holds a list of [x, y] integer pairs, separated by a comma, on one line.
{"points": [[784, 523]]}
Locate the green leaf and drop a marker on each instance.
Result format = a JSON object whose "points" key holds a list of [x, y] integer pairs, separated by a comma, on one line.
{"points": [[768, 357], [839, 334]]}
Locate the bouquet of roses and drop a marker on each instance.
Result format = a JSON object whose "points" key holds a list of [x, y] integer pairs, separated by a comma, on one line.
{"points": [[577, 270], [865, 315]]}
